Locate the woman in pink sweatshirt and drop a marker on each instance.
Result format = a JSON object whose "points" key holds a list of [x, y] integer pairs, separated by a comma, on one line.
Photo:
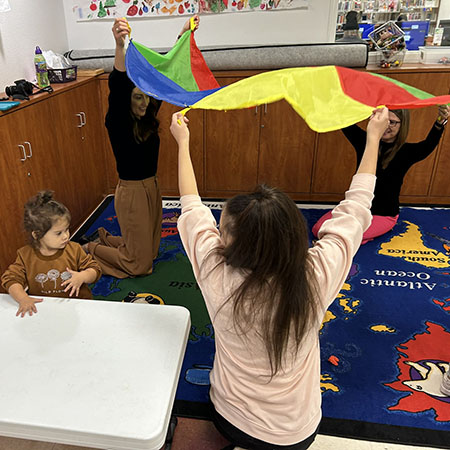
{"points": [[266, 292]]}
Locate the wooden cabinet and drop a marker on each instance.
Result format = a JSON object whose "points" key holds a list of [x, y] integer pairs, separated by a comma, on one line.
{"points": [[419, 177], [421, 184], [231, 151], [43, 145], [27, 166], [81, 148], [267, 144], [59, 142], [13, 182], [286, 149], [332, 179], [234, 150], [110, 163], [168, 150], [440, 187]]}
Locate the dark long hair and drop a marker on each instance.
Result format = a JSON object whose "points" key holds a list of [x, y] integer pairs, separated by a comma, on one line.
{"points": [[147, 125], [400, 139], [40, 213], [268, 239]]}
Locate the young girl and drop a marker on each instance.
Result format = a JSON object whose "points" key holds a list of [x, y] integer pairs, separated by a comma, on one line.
{"points": [[133, 132], [396, 157], [50, 265], [266, 292]]}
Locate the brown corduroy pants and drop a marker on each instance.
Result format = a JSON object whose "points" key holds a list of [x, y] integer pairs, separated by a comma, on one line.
{"points": [[138, 206]]}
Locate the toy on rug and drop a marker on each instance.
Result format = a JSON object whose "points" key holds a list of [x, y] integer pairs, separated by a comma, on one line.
{"points": [[151, 299]]}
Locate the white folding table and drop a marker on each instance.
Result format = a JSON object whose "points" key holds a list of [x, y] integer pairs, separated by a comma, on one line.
{"points": [[92, 373]]}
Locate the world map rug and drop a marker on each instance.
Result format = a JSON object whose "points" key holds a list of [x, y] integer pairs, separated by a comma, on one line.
{"points": [[385, 341]]}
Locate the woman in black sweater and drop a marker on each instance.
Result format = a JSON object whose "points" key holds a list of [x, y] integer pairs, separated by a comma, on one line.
{"points": [[133, 132], [396, 156]]}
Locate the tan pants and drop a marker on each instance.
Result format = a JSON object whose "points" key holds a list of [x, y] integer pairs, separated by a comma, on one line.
{"points": [[138, 207]]}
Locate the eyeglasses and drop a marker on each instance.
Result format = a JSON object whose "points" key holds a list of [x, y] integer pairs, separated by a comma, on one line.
{"points": [[394, 123]]}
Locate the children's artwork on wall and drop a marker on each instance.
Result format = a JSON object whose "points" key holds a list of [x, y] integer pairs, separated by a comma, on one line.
{"points": [[218, 6], [109, 9]]}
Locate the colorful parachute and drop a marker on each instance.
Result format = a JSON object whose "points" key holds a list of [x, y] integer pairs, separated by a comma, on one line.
{"points": [[327, 97]]}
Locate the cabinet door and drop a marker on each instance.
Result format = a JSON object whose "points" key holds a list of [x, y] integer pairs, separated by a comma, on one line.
{"points": [[168, 151], [16, 167], [418, 178], [34, 127], [81, 146], [27, 165], [66, 153], [231, 149], [14, 186], [440, 186], [110, 162], [286, 149], [93, 176], [335, 164]]}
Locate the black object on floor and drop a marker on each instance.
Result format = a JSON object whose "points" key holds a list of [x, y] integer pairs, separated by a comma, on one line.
{"points": [[170, 432], [77, 237], [86, 239]]}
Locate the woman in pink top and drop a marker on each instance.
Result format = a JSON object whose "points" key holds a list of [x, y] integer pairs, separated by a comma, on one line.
{"points": [[266, 292]]}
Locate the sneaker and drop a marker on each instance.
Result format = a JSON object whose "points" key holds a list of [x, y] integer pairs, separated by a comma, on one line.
{"points": [[445, 385]]}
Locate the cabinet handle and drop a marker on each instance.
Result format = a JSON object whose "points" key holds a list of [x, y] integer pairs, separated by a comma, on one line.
{"points": [[83, 118], [81, 121], [256, 110], [29, 148], [265, 108], [24, 154]]}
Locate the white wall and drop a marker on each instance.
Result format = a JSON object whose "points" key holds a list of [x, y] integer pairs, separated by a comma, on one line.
{"points": [[27, 24], [444, 10], [315, 24]]}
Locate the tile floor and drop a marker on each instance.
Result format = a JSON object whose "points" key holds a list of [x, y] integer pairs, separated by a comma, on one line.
{"points": [[193, 434]]}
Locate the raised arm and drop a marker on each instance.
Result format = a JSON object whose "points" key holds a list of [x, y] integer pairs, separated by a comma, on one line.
{"points": [[120, 30], [187, 183], [377, 125]]}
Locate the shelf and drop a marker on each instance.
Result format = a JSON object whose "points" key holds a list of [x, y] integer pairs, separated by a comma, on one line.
{"points": [[412, 12]]}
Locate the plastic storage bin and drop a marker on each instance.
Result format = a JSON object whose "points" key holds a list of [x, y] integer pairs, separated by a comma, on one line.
{"points": [[390, 58], [432, 55], [388, 36], [390, 44], [62, 75]]}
